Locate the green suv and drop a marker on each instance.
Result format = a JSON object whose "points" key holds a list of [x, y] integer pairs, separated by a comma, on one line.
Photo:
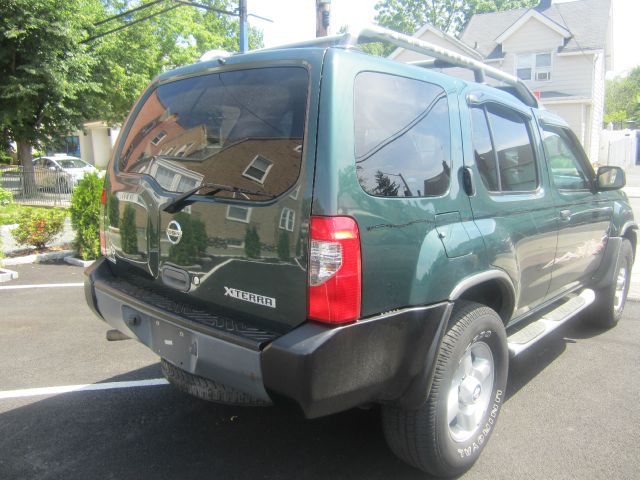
{"points": [[317, 227]]}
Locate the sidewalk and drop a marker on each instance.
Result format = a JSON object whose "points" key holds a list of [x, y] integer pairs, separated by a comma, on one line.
{"points": [[633, 192]]}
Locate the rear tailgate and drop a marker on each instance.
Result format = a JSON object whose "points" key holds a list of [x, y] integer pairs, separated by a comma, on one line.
{"points": [[241, 248]]}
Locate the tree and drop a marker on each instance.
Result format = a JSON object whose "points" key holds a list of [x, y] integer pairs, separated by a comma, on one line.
{"points": [[57, 69], [450, 16], [46, 73], [130, 58], [384, 186], [622, 98]]}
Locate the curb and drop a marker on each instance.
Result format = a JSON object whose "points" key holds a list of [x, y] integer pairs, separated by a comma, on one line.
{"points": [[6, 275], [37, 258], [78, 262]]}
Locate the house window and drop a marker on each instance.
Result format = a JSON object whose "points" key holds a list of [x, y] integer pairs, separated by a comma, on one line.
{"points": [[235, 243], [534, 66], [158, 138], [238, 214], [258, 169], [287, 219]]}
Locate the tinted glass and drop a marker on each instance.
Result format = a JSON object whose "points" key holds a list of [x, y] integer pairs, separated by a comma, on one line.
{"points": [[211, 128], [516, 160], [483, 149], [563, 155], [402, 136]]}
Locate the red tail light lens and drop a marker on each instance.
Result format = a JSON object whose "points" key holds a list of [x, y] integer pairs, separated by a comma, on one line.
{"points": [[103, 238], [335, 276]]}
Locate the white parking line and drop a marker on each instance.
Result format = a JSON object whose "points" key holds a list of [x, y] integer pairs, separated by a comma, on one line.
{"points": [[41, 285], [34, 392]]}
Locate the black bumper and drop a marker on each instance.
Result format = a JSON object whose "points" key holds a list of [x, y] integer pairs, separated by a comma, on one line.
{"points": [[320, 368]]}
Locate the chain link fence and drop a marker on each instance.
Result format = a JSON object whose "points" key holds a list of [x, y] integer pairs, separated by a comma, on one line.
{"points": [[42, 187]]}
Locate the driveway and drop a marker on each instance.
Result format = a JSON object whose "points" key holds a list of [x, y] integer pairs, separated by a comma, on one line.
{"points": [[572, 408]]}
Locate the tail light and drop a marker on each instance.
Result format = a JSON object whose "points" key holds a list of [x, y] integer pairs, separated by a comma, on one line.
{"points": [[103, 238], [335, 276]]}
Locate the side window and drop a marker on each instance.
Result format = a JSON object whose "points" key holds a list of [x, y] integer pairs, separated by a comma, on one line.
{"points": [[483, 149], [503, 149], [402, 136], [563, 155]]}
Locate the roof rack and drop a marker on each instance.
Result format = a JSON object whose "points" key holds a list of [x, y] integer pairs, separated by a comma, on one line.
{"points": [[443, 57]]}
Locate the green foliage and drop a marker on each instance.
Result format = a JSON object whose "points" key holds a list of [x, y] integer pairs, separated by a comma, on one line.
{"points": [[284, 246], [11, 212], [6, 196], [450, 16], [38, 227], [252, 246], [130, 58], [113, 210], [385, 187], [622, 98], [129, 230], [85, 216], [46, 72], [193, 243], [57, 71]]}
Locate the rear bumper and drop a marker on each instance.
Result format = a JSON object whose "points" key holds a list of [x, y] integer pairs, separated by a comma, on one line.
{"points": [[319, 368]]}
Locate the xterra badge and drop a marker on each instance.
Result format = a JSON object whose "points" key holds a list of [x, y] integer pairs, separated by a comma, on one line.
{"points": [[250, 297]]}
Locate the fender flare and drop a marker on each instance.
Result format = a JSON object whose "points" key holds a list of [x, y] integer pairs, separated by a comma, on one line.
{"points": [[508, 290]]}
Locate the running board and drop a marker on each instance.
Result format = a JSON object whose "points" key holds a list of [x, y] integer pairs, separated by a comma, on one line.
{"points": [[524, 338]]}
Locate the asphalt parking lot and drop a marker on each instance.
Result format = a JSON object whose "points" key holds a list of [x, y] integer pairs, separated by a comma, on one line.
{"points": [[572, 409]]}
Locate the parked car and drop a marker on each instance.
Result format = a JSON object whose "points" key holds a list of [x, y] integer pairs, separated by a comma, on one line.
{"points": [[60, 171], [320, 228]]}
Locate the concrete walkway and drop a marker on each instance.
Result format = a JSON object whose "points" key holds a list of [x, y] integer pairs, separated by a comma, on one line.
{"points": [[633, 192]]}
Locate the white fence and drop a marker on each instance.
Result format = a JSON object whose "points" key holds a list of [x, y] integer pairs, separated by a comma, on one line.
{"points": [[619, 148]]}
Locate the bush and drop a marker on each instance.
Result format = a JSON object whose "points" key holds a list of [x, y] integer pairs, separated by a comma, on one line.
{"points": [[38, 227], [252, 246], [85, 216], [129, 230], [6, 196]]}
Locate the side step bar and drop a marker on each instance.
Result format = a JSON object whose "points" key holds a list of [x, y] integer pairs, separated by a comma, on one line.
{"points": [[524, 338]]}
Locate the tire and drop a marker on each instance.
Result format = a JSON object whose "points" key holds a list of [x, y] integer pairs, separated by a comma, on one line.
{"points": [[610, 300], [425, 438], [206, 389]]}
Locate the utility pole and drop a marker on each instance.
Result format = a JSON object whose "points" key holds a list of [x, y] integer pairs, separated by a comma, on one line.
{"points": [[244, 39], [323, 12]]}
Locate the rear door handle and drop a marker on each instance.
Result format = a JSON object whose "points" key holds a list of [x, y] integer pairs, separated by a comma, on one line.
{"points": [[565, 215]]}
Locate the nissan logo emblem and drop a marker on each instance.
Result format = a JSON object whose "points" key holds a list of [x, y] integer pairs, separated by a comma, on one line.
{"points": [[174, 232]]}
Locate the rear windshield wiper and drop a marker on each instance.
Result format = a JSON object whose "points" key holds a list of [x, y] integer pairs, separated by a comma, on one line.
{"points": [[182, 200]]}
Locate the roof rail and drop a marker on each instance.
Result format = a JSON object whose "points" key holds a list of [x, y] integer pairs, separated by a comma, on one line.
{"points": [[443, 56]]}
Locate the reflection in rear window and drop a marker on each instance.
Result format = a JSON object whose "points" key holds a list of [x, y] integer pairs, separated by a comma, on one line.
{"points": [[242, 128]]}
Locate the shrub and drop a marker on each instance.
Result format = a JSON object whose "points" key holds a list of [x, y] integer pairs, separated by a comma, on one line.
{"points": [[38, 227], [85, 216], [284, 247], [252, 246], [6, 196], [129, 230]]}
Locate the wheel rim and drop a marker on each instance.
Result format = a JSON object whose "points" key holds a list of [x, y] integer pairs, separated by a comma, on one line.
{"points": [[470, 391], [621, 288]]}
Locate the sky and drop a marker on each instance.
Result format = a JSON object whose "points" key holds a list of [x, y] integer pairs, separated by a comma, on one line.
{"points": [[295, 20]]}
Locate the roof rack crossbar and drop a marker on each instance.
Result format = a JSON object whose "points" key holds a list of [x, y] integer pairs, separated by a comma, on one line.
{"points": [[373, 33]]}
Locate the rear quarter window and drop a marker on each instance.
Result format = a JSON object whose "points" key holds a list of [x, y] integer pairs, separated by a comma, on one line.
{"points": [[240, 128], [402, 136]]}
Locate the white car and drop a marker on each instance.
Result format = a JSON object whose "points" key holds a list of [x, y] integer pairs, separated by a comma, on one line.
{"points": [[61, 171]]}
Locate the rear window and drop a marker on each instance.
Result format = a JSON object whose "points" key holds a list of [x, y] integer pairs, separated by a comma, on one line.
{"points": [[402, 136], [243, 129]]}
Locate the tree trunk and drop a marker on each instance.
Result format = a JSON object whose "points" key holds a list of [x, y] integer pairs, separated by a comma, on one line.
{"points": [[28, 177]]}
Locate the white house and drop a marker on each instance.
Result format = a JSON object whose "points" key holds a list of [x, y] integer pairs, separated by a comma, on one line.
{"points": [[94, 142], [560, 50]]}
